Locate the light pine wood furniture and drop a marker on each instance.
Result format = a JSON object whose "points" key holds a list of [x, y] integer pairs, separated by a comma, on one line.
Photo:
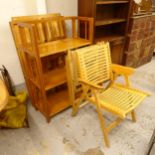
{"points": [[91, 67], [111, 18], [42, 43], [4, 95]]}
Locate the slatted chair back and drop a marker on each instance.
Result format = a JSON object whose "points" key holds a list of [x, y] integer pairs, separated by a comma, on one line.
{"points": [[94, 63]]}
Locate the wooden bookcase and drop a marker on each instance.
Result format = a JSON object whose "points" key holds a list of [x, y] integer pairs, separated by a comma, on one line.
{"points": [[42, 43], [111, 22]]}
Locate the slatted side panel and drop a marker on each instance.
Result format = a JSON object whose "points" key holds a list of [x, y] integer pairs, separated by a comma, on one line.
{"points": [[31, 64], [28, 52], [94, 63]]}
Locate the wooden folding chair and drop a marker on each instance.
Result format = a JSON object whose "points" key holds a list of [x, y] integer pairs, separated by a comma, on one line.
{"points": [[91, 67]]}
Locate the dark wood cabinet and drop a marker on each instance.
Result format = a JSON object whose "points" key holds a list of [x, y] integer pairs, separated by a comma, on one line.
{"points": [[110, 24], [140, 43]]}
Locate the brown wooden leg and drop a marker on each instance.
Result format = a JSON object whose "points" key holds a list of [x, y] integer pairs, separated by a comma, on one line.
{"points": [[75, 108], [133, 115], [48, 119], [74, 111], [36, 108]]}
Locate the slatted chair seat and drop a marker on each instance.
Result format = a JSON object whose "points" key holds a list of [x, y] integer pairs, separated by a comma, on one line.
{"points": [[91, 67], [120, 100]]}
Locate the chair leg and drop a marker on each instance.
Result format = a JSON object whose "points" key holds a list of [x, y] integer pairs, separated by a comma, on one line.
{"points": [[104, 130], [133, 115], [102, 121], [75, 109], [76, 104]]}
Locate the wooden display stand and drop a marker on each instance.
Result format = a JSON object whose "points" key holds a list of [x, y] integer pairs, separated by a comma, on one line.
{"points": [[111, 22], [42, 43]]}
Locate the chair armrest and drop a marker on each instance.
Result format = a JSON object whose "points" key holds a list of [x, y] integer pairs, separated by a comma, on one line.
{"points": [[90, 84], [122, 70]]}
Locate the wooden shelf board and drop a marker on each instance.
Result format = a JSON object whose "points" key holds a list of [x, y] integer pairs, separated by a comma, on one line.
{"points": [[142, 15], [109, 21], [111, 2], [58, 102], [54, 78], [63, 45], [110, 37]]}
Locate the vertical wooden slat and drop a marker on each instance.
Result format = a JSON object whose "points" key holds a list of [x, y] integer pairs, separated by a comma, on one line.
{"points": [[79, 29], [74, 34], [85, 30], [91, 30]]}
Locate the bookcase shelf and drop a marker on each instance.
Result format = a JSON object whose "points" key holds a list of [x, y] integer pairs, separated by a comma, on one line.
{"points": [[60, 46], [54, 78], [111, 22], [57, 101], [111, 2], [109, 37]]}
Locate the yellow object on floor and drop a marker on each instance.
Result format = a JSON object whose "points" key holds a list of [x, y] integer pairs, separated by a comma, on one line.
{"points": [[14, 114]]}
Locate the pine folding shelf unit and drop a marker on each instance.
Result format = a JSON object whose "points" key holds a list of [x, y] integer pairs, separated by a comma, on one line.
{"points": [[42, 44]]}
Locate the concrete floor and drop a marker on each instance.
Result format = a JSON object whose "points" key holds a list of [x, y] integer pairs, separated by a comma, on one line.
{"points": [[81, 135]]}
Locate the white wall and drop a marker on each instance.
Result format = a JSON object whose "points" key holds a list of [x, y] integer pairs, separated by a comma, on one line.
{"points": [[65, 7], [41, 6], [8, 9]]}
